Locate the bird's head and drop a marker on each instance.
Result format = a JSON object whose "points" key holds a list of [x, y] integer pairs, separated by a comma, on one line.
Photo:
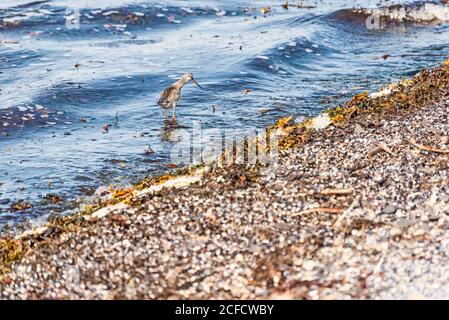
{"points": [[189, 77]]}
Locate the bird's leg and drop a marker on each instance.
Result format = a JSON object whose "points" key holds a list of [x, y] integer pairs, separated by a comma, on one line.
{"points": [[174, 111], [165, 113]]}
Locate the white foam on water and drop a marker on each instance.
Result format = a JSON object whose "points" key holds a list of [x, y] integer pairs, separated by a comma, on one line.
{"points": [[14, 3], [426, 12]]}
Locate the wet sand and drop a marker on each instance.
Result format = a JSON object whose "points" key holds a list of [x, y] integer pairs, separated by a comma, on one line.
{"points": [[355, 210]]}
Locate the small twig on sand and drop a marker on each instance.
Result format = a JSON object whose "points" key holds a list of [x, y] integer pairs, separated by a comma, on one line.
{"points": [[327, 192], [429, 184], [347, 212], [427, 148], [319, 210], [380, 146], [344, 191], [379, 264]]}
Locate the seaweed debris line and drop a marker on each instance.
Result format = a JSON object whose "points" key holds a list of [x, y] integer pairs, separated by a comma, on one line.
{"points": [[356, 209]]}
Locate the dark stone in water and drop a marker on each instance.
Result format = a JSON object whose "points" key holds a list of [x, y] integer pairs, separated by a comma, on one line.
{"points": [[87, 191]]}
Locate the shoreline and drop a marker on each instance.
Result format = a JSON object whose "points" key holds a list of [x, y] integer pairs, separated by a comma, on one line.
{"points": [[362, 115]]}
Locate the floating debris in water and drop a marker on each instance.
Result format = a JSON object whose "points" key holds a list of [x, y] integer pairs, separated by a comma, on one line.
{"points": [[265, 10], [21, 206], [105, 128], [148, 151], [53, 198]]}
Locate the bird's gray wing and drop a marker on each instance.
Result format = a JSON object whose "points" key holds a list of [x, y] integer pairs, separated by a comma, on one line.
{"points": [[168, 93]]}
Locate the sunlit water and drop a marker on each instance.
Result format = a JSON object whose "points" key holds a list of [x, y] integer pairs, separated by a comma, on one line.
{"points": [[294, 62]]}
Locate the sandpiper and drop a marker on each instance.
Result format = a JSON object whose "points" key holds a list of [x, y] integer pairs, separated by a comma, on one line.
{"points": [[171, 95]]}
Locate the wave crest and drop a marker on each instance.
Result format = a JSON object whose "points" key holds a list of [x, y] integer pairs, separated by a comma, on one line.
{"points": [[421, 12]]}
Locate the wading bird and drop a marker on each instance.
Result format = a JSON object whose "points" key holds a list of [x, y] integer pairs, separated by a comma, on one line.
{"points": [[171, 95]]}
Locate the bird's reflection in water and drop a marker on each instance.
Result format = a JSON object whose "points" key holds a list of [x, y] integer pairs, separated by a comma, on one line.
{"points": [[168, 128]]}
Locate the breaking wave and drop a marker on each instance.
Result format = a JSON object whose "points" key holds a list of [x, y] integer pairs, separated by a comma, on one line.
{"points": [[417, 12]]}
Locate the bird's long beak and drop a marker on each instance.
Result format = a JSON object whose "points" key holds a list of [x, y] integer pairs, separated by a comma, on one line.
{"points": [[197, 83]]}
